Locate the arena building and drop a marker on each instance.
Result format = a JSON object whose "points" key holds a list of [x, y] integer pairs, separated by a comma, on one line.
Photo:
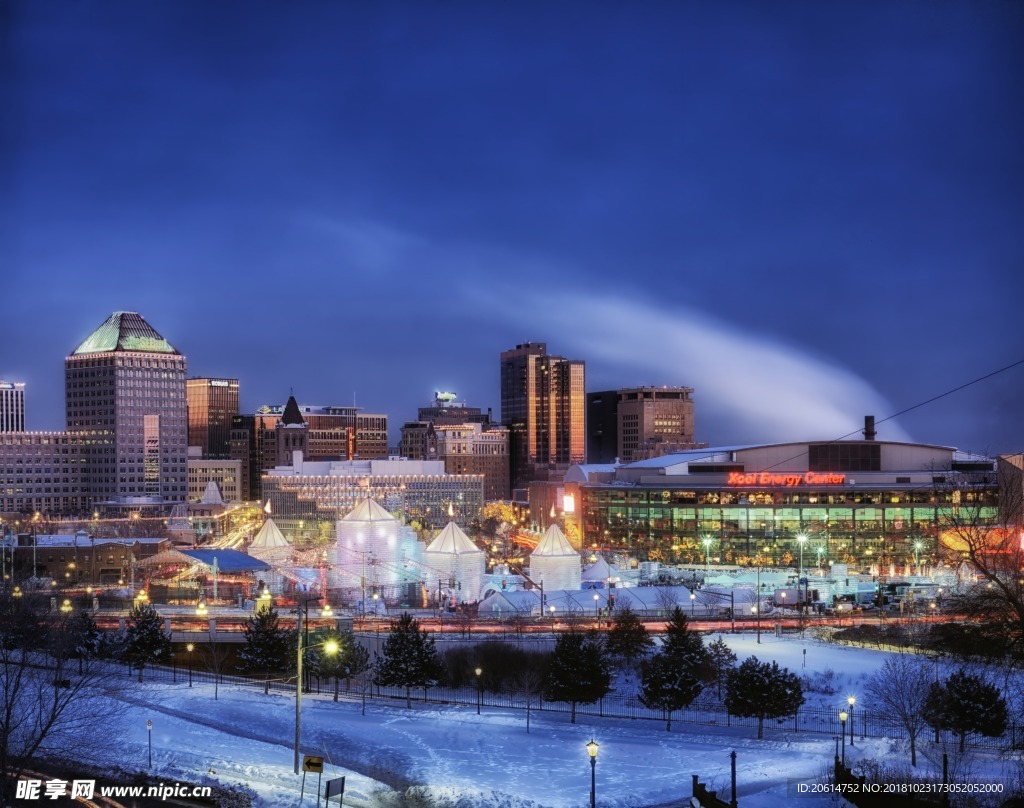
{"points": [[862, 503]]}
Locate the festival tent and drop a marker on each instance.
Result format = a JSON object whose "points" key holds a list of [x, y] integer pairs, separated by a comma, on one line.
{"points": [[554, 562], [454, 558]]}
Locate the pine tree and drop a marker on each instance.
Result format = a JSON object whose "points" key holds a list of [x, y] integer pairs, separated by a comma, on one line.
{"points": [[351, 658], [685, 647], [666, 685], [86, 638], [408, 658], [966, 703], [721, 660], [268, 646], [145, 640], [762, 690], [578, 671], [628, 639]]}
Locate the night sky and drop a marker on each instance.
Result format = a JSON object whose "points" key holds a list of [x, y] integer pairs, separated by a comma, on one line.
{"points": [[806, 211]]}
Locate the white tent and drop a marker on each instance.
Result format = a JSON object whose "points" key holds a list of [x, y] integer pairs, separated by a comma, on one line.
{"points": [[452, 555], [599, 571], [211, 496], [270, 545], [368, 546], [554, 563]]}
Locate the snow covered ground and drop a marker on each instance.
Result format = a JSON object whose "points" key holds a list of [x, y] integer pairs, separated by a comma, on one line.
{"points": [[461, 759]]}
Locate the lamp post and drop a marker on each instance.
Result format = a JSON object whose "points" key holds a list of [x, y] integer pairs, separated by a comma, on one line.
{"points": [[65, 607], [707, 555], [190, 648], [479, 689], [592, 751], [917, 557], [693, 599], [801, 540], [756, 610], [302, 610], [851, 700], [842, 723]]}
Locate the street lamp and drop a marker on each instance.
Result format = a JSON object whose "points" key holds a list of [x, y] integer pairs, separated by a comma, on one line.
{"points": [[65, 607], [479, 689], [851, 700], [820, 551], [693, 598], [917, 557], [330, 647], [190, 648], [201, 609], [842, 721], [592, 751], [17, 592], [755, 609], [707, 551], [801, 540]]}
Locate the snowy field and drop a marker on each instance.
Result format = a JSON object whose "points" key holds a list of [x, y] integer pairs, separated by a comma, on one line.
{"points": [[461, 759]]}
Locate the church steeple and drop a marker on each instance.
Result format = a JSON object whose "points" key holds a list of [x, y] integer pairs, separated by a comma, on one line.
{"points": [[291, 415]]}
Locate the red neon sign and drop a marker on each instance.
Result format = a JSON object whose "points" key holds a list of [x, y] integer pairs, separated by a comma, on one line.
{"points": [[791, 480]]}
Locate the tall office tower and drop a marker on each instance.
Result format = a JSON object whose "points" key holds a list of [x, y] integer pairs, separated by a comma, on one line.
{"points": [[212, 403], [12, 406], [126, 406], [543, 404], [636, 423]]}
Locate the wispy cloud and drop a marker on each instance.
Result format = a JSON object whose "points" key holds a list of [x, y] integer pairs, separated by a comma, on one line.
{"points": [[767, 389]]}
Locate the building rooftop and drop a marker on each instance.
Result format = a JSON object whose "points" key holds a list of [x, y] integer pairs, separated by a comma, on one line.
{"points": [[125, 331]]}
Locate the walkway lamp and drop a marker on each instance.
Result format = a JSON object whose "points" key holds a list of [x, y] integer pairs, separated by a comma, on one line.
{"points": [[693, 599], [851, 700], [801, 540], [842, 722], [190, 648], [479, 689], [592, 751]]}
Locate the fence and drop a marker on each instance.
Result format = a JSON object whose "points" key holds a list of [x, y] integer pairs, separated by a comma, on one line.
{"points": [[703, 712]]}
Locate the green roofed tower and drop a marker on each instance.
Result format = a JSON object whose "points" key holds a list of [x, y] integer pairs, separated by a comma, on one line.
{"points": [[126, 405]]}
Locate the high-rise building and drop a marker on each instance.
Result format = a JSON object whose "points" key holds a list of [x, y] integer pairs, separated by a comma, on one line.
{"points": [[445, 410], [41, 472], [212, 403], [126, 407], [476, 449], [639, 422], [543, 404], [12, 406]]}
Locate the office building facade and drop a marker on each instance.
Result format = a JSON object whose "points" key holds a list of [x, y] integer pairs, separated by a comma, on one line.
{"points": [[12, 406], [127, 410], [543, 404], [41, 472], [212, 403], [636, 423]]}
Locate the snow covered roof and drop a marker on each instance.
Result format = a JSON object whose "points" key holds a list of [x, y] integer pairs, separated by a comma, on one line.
{"points": [[269, 536], [452, 540], [211, 496], [554, 543], [368, 511]]}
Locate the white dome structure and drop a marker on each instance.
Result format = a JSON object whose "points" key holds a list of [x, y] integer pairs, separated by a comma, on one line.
{"points": [[452, 555], [554, 563], [598, 572], [368, 544]]}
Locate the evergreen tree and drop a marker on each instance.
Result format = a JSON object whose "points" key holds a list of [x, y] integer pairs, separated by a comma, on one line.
{"points": [[408, 658], [268, 647], [628, 639], [86, 640], [350, 659], [685, 647], [145, 640], [666, 685], [966, 703], [721, 660], [578, 671], [762, 690]]}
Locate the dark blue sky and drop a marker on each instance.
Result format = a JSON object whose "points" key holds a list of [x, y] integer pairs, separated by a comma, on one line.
{"points": [[806, 211]]}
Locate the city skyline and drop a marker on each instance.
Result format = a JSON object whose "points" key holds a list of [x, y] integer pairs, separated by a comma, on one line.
{"points": [[806, 215]]}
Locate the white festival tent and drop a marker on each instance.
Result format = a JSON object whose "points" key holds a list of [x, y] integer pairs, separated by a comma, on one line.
{"points": [[554, 562], [454, 557], [270, 546]]}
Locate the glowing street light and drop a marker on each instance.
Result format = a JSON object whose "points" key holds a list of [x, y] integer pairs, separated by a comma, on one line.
{"points": [[851, 700], [479, 689], [190, 648], [330, 647], [201, 609], [843, 715], [707, 551], [66, 607], [801, 540], [917, 558], [592, 751], [693, 599]]}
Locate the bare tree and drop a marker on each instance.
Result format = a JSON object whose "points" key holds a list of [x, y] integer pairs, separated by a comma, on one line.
{"points": [[47, 708], [970, 506], [899, 689]]}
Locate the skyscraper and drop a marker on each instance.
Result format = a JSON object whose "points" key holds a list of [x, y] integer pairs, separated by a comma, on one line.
{"points": [[543, 403], [12, 406], [639, 422], [212, 403], [126, 406]]}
